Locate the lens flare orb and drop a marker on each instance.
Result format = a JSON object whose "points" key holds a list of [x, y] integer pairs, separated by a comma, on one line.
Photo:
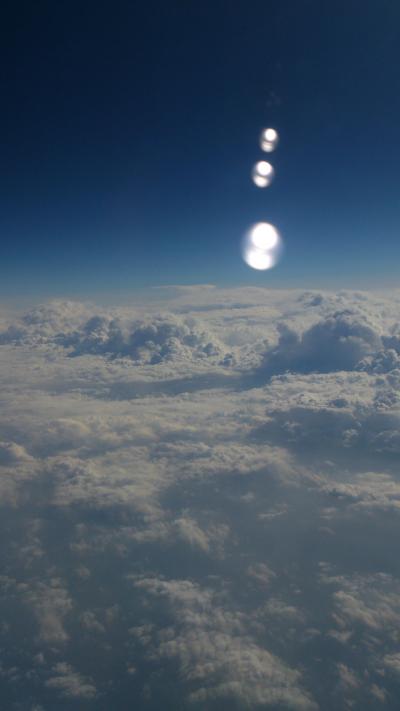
{"points": [[262, 246], [269, 139], [262, 174]]}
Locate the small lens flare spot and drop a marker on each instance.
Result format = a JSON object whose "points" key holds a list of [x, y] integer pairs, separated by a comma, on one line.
{"points": [[269, 139], [262, 246], [262, 174]]}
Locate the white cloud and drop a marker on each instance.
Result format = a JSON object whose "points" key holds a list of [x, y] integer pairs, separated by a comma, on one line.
{"points": [[348, 680], [369, 604], [70, 683], [338, 342], [391, 662], [216, 653], [168, 439], [368, 491], [51, 603]]}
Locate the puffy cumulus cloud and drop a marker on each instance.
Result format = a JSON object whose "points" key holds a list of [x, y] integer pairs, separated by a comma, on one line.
{"points": [[393, 339], [368, 491], [391, 662], [309, 330], [233, 459], [15, 477], [43, 323], [348, 680], [90, 623], [377, 693], [276, 609], [218, 657], [47, 600], [338, 342], [51, 603], [365, 615], [367, 606], [16, 468], [261, 573], [385, 360], [70, 683], [11, 453], [128, 478], [350, 413], [205, 540], [153, 341], [167, 337], [236, 453]]}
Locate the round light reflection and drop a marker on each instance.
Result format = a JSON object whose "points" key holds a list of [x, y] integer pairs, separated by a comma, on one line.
{"points": [[257, 259], [262, 246], [262, 174], [269, 139], [264, 236]]}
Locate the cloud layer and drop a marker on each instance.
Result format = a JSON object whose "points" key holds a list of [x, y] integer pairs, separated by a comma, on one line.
{"points": [[200, 502]]}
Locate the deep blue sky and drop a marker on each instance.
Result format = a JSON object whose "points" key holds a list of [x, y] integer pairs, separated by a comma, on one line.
{"points": [[129, 130]]}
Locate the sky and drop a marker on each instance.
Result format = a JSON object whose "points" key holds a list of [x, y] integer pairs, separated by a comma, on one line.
{"points": [[129, 133]]}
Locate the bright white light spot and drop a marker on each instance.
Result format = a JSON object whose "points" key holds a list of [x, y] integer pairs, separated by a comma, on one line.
{"points": [[264, 236], [257, 259], [269, 139], [262, 246], [264, 168], [270, 135], [260, 181], [262, 174]]}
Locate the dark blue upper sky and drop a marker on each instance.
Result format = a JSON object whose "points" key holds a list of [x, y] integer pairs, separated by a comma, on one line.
{"points": [[129, 130]]}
